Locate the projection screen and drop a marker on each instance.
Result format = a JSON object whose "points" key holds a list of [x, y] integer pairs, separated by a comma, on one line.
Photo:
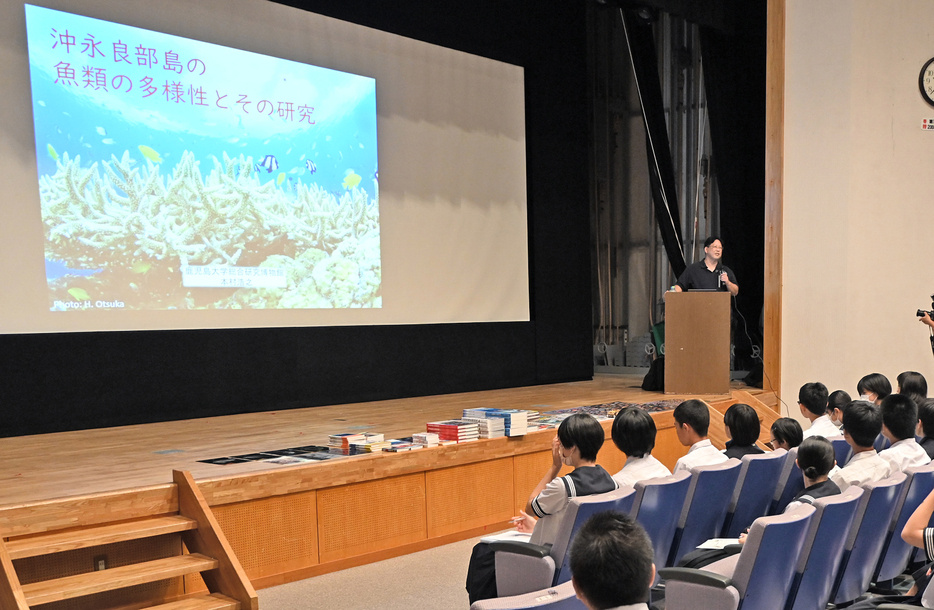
{"points": [[244, 164]]}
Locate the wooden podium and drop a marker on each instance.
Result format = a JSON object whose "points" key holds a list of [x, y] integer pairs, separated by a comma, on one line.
{"points": [[697, 343]]}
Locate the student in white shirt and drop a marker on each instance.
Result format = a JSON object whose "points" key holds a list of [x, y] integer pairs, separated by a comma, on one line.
{"points": [[634, 433], [862, 423], [836, 404], [612, 563], [899, 420], [874, 387], [812, 400], [692, 419]]}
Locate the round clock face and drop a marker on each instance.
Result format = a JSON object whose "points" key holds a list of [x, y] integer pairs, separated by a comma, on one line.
{"points": [[926, 81]]}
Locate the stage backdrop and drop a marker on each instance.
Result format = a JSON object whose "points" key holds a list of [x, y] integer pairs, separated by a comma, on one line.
{"points": [[59, 381], [857, 245]]}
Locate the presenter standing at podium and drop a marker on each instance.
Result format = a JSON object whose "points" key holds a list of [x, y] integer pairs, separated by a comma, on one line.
{"points": [[709, 273]]}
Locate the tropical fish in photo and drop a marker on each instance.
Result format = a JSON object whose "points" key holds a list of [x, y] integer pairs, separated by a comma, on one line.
{"points": [[102, 131], [149, 153], [280, 179], [79, 293], [41, 103], [269, 163], [351, 180], [312, 168], [52, 152], [141, 267], [108, 141]]}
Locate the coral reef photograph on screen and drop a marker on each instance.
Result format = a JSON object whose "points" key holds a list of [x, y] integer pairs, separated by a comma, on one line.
{"points": [[180, 174]]}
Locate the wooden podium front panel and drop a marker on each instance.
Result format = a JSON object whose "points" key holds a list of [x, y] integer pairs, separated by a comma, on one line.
{"points": [[373, 516], [272, 535], [469, 496], [697, 343]]}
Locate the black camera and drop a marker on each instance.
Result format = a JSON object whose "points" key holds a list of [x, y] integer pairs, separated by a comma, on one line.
{"points": [[930, 314]]}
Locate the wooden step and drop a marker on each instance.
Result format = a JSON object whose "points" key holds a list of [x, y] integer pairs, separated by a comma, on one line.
{"points": [[213, 601], [96, 536], [115, 578]]}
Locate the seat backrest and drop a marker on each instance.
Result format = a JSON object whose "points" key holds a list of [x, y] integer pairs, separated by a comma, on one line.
{"points": [[766, 566], [841, 450], [881, 443], [790, 483], [657, 508], [754, 490], [827, 535], [864, 544], [578, 511], [561, 597], [896, 553], [705, 506]]}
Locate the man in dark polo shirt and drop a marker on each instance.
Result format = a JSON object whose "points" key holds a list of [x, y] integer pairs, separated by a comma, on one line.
{"points": [[709, 273]]}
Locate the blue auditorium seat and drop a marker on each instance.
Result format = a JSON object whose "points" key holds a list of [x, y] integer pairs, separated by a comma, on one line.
{"points": [[657, 507], [896, 553], [754, 490], [790, 482]]}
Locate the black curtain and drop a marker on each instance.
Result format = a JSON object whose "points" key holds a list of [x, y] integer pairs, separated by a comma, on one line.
{"points": [[734, 77], [641, 42]]}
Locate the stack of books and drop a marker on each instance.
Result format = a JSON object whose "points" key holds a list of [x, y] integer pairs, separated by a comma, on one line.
{"points": [[490, 427], [425, 439], [516, 420], [370, 447], [398, 445], [456, 430], [349, 443]]}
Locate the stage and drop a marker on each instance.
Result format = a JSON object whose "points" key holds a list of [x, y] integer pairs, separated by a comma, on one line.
{"points": [[291, 522]]}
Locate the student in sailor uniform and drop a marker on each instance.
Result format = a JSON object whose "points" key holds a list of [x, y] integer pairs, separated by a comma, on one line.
{"points": [[578, 440], [815, 459]]}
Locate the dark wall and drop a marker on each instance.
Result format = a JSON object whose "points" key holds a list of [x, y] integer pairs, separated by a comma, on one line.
{"points": [[54, 382]]}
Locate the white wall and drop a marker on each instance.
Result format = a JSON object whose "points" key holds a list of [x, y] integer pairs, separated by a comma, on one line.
{"points": [[858, 219]]}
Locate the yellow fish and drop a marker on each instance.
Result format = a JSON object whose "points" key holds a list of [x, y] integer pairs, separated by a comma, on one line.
{"points": [[52, 152], [150, 154], [280, 179], [351, 179], [79, 294], [141, 267]]}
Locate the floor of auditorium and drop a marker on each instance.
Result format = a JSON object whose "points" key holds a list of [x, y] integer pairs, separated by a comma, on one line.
{"points": [[41, 467]]}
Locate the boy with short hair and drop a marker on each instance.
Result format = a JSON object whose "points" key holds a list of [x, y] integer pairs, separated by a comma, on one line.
{"points": [[862, 423], [812, 400], [692, 418], [899, 421], [634, 433], [612, 563]]}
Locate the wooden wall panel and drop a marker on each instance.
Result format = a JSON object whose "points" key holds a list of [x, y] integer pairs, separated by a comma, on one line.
{"points": [[372, 516], [774, 176], [466, 497], [272, 535]]}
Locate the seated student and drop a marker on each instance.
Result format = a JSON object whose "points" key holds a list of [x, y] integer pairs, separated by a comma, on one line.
{"points": [[926, 425], [634, 434], [836, 403], [812, 401], [786, 434], [612, 563], [899, 421], [873, 388], [815, 460], [692, 419], [579, 439], [862, 423], [913, 385], [742, 427]]}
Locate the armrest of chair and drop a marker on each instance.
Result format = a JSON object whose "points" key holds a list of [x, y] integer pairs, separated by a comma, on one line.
{"points": [[897, 607], [687, 589], [695, 577], [522, 567], [520, 548], [733, 548]]}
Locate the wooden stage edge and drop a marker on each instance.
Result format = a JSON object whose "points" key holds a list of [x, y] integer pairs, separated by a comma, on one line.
{"points": [[286, 523]]}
